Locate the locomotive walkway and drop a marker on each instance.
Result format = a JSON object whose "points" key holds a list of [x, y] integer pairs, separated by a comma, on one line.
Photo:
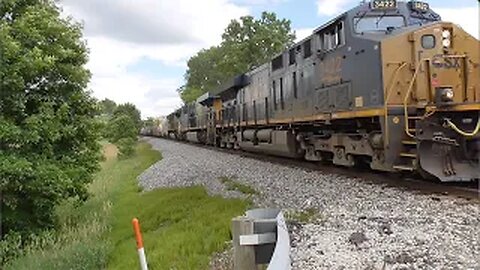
{"points": [[337, 221]]}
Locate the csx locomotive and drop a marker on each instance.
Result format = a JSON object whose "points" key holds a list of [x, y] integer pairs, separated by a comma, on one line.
{"points": [[387, 84]]}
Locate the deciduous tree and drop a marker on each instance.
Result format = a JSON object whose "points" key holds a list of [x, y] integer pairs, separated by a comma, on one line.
{"points": [[246, 43], [48, 135], [131, 111]]}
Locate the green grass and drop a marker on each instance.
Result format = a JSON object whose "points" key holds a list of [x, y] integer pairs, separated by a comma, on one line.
{"points": [[182, 228], [234, 185]]}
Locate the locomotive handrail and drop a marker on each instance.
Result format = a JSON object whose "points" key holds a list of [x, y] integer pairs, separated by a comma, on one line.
{"points": [[407, 96], [464, 133], [409, 91], [389, 93]]}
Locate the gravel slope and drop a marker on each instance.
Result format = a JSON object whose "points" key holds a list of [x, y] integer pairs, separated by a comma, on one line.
{"points": [[359, 225]]}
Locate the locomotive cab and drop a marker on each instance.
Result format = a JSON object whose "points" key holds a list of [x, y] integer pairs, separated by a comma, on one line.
{"points": [[419, 76], [431, 74]]}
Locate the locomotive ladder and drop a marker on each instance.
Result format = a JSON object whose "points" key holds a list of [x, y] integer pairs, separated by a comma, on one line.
{"points": [[408, 157]]}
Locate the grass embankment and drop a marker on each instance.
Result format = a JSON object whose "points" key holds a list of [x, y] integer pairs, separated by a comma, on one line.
{"points": [[181, 227]]}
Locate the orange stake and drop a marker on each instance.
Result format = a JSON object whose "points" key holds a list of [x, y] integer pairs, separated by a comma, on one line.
{"points": [[138, 238], [138, 235]]}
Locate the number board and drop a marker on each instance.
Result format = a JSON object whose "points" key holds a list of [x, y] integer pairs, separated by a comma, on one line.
{"points": [[383, 4], [419, 6]]}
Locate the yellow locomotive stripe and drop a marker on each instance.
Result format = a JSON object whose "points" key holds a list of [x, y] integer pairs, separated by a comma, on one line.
{"points": [[461, 107], [320, 117]]}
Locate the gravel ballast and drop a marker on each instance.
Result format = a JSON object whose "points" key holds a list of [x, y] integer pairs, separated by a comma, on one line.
{"points": [[357, 226]]}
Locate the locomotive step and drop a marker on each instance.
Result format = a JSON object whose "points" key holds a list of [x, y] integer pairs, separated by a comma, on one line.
{"points": [[409, 155], [409, 142], [404, 168]]}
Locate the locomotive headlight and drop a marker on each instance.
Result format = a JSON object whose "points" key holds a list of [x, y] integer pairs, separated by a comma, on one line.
{"points": [[447, 38], [447, 94], [446, 43], [446, 34]]}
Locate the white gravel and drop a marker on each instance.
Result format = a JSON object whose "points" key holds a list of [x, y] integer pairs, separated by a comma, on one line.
{"points": [[359, 225]]}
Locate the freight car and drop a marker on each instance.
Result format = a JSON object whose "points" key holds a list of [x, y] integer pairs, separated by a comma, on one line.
{"points": [[387, 84]]}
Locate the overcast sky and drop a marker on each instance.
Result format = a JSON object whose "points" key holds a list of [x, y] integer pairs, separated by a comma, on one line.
{"points": [[139, 48]]}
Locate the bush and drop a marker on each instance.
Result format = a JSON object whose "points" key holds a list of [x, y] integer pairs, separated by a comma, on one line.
{"points": [[126, 147], [120, 127], [122, 131], [49, 146]]}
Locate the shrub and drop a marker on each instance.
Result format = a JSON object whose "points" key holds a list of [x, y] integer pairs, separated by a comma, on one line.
{"points": [[49, 147], [122, 131], [120, 127], [126, 147]]}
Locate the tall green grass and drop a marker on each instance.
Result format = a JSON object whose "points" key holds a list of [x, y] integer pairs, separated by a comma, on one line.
{"points": [[181, 227]]}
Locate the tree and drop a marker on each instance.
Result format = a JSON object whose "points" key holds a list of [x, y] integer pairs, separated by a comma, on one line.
{"points": [[246, 43], [123, 126], [250, 43], [107, 106], [130, 110], [48, 135], [203, 73]]}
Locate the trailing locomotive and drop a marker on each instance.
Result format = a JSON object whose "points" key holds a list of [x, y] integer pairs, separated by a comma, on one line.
{"points": [[386, 84]]}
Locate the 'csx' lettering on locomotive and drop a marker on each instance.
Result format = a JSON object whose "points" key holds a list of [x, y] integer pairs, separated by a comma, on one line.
{"points": [[439, 61]]}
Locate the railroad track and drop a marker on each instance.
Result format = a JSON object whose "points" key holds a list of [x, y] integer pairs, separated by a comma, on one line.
{"points": [[469, 191]]}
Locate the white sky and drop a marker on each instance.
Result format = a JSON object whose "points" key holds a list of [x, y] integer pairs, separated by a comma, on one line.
{"points": [[121, 33]]}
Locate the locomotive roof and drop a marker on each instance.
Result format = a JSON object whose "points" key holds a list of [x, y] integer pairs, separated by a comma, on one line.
{"points": [[414, 19]]}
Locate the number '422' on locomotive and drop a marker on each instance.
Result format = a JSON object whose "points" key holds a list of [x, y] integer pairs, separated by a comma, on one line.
{"points": [[387, 84]]}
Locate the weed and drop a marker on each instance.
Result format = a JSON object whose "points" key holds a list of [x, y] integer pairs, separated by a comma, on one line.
{"points": [[235, 185], [304, 216]]}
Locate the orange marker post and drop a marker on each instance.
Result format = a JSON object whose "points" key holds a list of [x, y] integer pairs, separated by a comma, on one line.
{"points": [[138, 238]]}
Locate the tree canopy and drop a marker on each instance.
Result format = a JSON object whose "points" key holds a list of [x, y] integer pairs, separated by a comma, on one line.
{"points": [[48, 135], [130, 110], [246, 43], [107, 107]]}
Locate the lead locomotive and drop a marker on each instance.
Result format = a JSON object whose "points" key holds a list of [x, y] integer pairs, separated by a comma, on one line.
{"points": [[386, 84]]}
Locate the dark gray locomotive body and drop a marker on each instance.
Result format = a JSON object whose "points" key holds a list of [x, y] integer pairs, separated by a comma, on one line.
{"points": [[386, 84]]}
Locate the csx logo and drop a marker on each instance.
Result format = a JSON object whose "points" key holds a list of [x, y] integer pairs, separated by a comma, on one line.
{"points": [[440, 61]]}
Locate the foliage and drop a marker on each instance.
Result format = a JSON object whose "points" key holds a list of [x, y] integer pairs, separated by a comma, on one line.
{"points": [[121, 130], [120, 127], [231, 184], [126, 147], [107, 107], [81, 241], [150, 122], [251, 42], [304, 216], [246, 44], [131, 111], [181, 227], [48, 136]]}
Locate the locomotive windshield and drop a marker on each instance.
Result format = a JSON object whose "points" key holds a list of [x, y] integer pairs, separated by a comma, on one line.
{"points": [[378, 23]]}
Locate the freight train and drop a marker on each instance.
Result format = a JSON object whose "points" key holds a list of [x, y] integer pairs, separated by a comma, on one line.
{"points": [[386, 84]]}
